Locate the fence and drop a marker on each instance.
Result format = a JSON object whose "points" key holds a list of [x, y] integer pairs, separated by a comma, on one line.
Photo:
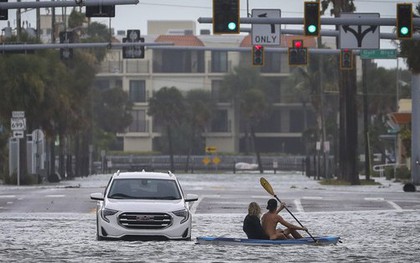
{"points": [[196, 163]]}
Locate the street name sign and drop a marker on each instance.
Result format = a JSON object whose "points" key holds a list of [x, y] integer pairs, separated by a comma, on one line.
{"points": [[378, 54], [359, 36], [265, 34]]}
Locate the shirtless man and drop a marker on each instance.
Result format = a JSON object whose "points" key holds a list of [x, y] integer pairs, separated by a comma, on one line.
{"points": [[271, 219]]}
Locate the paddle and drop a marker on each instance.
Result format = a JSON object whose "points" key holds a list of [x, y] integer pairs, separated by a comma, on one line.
{"points": [[266, 185]]}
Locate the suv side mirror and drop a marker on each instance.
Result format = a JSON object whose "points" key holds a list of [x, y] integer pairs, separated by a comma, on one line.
{"points": [[97, 196], [191, 198]]}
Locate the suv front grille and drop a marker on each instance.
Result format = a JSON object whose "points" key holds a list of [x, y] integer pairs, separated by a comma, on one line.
{"points": [[145, 220]]}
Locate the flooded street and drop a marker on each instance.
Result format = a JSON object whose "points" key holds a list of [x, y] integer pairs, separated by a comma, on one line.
{"points": [[385, 231]]}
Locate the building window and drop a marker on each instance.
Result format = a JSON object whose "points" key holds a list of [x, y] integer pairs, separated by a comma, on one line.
{"points": [[296, 121], [139, 121], [217, 93], [219, 122], [137, 91], [219, 61], [272, 123], [178, 61]]}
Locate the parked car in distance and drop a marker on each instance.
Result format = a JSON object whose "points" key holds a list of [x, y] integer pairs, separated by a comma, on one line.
{"points": [[143, 206]]}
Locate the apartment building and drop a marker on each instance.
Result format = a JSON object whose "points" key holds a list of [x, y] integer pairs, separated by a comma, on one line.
{"points": [[203, 68]]}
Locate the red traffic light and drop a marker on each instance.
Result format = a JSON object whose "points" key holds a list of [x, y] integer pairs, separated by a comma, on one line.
{"points": [[298, 43]]}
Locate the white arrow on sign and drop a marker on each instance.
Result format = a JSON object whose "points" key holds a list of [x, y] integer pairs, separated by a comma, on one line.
{"points": [[359, 36], [265, 34]]}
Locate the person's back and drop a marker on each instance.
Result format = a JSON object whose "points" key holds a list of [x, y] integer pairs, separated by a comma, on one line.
{"points": [[253, 229], [252, 225], [269, 224]]}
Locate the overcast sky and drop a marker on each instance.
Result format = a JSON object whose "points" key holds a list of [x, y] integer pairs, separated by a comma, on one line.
{"points": [[136, 16]]}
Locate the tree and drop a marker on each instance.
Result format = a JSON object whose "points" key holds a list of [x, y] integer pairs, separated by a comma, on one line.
{"points": [[167, 107], [245, 87], [199, 108]]}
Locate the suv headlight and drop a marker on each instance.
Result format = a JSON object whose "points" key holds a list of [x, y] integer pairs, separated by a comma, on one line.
{"points": [[182, 213], [107, 212]]}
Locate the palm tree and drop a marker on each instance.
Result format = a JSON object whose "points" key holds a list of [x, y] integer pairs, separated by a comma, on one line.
{"points": [[200, 106], [167, 107], [245, 87]]}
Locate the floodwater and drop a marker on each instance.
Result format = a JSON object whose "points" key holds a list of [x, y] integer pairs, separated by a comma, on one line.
{"points": [[367, 236]]}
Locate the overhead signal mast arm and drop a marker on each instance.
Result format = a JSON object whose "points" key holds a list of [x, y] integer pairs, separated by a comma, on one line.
{"points": [[42, 4]]}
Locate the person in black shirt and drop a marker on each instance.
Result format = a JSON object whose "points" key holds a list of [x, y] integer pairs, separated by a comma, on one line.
{"points": [[252, 225]]}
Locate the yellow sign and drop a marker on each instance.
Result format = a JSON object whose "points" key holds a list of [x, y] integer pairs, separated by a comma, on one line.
{"points": [[216, 160], [210, 149], [206, 160]]}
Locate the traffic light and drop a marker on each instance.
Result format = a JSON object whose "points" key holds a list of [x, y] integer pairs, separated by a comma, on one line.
{"points": [[404, 21], [100, 11], [257, 55], [298, 55], [66, 37], [4, 13], [311, 23], [226, 16], [346, 59], [133, 36]]}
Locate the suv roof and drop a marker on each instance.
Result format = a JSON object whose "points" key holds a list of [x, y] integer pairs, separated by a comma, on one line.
{"points": [[145, 175]]}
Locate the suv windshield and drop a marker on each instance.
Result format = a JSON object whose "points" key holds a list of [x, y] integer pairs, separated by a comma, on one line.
{"points": [[144, 189]]}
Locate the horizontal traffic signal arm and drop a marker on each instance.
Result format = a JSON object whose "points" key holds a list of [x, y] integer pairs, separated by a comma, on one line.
{"points": [[324, 21], [6, 47], [41, 4]]}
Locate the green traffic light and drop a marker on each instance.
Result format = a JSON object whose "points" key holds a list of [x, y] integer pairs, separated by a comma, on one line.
{"points": [[404, 30], [311, 28], [232, 26]]}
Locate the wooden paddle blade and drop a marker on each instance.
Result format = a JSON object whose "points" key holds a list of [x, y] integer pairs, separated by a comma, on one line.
{"points": [[266, 185]]}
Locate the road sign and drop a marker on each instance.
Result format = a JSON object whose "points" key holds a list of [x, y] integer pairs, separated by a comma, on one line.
{"points": [[210, 149], [18, 134], [18, 124], [359, 36], [133, 36], [18, 114], [265, 34], [378, 54]]}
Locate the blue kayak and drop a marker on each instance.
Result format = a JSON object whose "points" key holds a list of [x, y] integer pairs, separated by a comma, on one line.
{"points": [[322, 240]]}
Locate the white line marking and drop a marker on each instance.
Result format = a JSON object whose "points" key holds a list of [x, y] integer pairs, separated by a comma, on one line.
{"points": [[299, 206], [394, 205], [55, 196], [313, 197], [374, 199], [7, 196]]}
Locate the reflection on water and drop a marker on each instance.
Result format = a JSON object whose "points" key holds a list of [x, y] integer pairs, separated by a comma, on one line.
{"points": [[376, 236]]}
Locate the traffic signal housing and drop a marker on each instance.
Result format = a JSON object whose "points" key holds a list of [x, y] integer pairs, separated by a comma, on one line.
{"points": [[226, 17], [258, 55], [298, 55], [100, 11], [346, 59], [66, 37], [312, 19], [4, 13], [404, 21]]}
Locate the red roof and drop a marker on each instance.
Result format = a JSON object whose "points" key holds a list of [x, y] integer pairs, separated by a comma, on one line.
{"points": [[180, 40]]}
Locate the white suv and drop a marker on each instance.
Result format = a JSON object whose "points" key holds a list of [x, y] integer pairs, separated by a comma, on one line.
{"points": [[143, 206]]}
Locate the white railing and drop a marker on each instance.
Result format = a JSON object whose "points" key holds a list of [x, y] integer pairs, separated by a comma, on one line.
{"points": [[380, 168]]}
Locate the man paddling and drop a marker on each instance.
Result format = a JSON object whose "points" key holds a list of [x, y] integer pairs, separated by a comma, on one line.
{"points": [[270, 220]]}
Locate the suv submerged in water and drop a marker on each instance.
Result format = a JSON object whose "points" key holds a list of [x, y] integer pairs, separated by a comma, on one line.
{"points": [[143, 206]]}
